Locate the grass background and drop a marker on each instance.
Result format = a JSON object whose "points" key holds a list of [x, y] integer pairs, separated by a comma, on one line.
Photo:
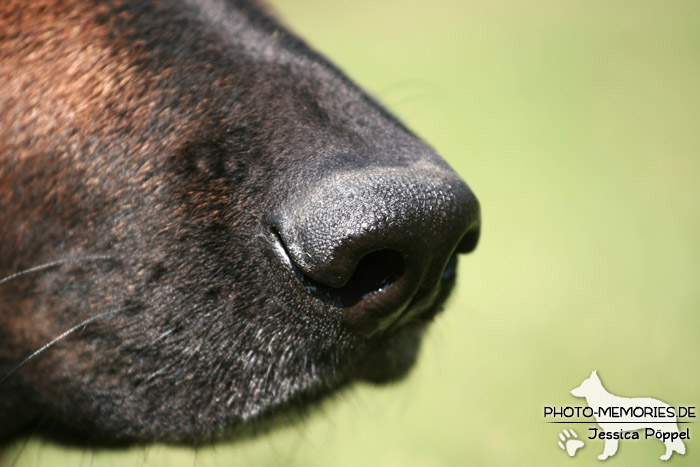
{"points": [[577, 124]]}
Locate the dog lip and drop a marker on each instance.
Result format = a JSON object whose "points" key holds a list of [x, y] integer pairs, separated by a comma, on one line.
{"points": [[392, 356]]}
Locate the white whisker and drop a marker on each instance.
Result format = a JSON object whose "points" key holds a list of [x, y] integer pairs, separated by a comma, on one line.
{"points": [[62, 336], [54, 264]]}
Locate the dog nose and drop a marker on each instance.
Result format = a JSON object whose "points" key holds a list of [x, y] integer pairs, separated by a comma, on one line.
{"points": [[376, 242]]}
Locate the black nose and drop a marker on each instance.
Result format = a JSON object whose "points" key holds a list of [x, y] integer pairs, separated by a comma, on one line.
{"points": [[375, 242]]}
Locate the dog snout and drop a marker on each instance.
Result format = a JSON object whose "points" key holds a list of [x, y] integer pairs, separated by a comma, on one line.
{"points": [[379, 242]]}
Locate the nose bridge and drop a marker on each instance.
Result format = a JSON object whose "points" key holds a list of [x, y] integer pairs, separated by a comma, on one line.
{"points": [[420, 213]]}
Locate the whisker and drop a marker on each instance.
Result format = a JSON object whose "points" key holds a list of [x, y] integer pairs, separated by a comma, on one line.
{"points": [[62, 336], [53, 264], [154, 375], [7, 298]]}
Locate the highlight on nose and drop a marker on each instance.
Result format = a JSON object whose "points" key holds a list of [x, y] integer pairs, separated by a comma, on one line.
{"points": [[378, 243]]}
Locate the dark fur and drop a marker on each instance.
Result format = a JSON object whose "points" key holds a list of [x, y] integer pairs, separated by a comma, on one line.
{"points": [[147, 143]]}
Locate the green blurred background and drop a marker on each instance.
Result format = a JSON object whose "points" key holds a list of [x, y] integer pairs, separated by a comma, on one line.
{"points": [[577, 124]]}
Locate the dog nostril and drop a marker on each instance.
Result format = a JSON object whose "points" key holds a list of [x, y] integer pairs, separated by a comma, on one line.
{"points": [[374, 273]]}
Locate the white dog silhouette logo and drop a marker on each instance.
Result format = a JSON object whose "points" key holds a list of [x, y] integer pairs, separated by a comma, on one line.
{"points": [[607, 407]]}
